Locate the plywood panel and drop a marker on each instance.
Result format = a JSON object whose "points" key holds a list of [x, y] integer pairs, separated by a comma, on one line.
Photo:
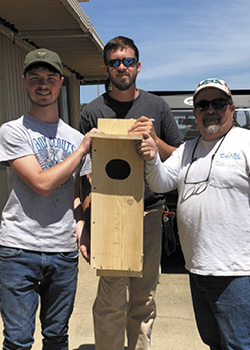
{"points": [[117, 206], [115, 126]]}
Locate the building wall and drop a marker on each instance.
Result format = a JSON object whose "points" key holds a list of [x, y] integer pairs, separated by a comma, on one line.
{"points": [[13, 100]]}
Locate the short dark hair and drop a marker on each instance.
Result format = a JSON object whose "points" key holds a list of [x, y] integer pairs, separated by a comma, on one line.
{"points": [[120, 42], [42, 65]]}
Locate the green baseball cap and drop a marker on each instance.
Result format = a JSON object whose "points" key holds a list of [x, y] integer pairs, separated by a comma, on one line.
{"points": [[43, 56]]}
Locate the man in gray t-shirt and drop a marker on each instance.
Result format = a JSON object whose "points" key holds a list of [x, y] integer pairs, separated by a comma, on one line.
{"points": [[38, 237], [114, 309]]}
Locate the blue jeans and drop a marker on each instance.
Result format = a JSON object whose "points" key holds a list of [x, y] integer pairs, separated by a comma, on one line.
{"points": [[26, 275], [222, 310]]}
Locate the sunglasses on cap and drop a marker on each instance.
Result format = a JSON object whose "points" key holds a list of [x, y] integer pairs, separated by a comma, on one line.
{"points": [[217, 103], [127, 62]]}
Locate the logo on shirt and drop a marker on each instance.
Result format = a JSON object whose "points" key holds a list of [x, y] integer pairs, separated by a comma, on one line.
{"points": [[230, 155], [51, 151]]}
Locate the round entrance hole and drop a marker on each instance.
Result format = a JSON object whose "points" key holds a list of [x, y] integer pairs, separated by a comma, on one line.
{"points": [[118, 169]]}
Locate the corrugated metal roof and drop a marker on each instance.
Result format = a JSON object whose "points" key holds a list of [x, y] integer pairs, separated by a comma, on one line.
{"points": [[59, 25]]}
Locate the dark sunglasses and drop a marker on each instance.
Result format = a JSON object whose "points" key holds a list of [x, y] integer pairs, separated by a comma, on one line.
{"points": [[127, 61], [217, 103]]}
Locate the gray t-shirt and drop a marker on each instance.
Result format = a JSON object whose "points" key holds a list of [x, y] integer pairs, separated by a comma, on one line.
{"points": [[146, 104], [29, 220]]}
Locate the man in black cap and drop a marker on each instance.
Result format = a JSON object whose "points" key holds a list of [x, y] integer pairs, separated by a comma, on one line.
{"points": [[38, 240], [212, 174]]}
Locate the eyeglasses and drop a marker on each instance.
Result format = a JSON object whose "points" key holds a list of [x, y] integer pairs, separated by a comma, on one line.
{"points": [[199, 186], [217, 103], [196, 189], [193, 159], [187, 182], [127, 62]]}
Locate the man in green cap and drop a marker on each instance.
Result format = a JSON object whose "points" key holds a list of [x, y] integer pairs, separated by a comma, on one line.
{"points": [[38, 238]]}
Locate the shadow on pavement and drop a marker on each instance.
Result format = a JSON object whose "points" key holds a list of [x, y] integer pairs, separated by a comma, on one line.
{"points": [[89, 347]]}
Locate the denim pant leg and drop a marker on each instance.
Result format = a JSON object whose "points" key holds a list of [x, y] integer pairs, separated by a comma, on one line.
{"points": [[205, 319], [226, 326], [57, 292], [19, 274], [23, 275]]}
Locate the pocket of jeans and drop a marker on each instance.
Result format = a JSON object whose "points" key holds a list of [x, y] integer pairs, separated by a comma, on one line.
{"points": [[7, 252], [70, 256]]}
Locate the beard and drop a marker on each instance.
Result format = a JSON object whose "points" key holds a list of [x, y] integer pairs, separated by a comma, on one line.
{"points": [[124, 83], [212, 129], [211, 123]]}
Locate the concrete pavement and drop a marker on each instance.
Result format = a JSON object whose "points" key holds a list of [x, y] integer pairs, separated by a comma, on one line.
{"points": [[174, 327]]}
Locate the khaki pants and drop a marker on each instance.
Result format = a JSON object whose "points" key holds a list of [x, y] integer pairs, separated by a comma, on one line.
{"points": [[128, 303]]}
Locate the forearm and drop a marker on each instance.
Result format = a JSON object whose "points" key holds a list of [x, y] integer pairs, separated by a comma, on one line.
{"points": [[145, 125], [55, 176], [159, 179], [84, 232], [45, 181], [78, 211], [165, 150]]}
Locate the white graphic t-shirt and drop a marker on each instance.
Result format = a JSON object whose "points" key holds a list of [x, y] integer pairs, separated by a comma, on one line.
{"points": [[29, 220]]}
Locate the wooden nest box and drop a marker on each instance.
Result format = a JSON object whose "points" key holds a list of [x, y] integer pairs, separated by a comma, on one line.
{"points": [[117, 201]]}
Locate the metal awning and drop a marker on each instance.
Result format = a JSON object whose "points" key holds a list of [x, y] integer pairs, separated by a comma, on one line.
{"points": [[58, 25]]}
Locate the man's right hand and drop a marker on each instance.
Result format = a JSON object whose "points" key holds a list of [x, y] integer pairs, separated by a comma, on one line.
{"points": [[146, 149], [85, 145]]}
